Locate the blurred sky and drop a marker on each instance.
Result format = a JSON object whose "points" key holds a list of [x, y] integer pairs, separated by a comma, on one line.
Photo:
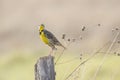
{"points": [[20, 19]]}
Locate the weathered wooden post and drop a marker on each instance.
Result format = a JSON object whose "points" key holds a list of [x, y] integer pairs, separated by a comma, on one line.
{"points": [[44, 68]]}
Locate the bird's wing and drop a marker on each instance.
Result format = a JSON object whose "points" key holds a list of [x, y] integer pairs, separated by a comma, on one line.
{"points": [[51, 37], [53, 40]]}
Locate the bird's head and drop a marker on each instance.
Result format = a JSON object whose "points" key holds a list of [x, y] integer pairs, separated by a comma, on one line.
{"points": [[41, 27]]}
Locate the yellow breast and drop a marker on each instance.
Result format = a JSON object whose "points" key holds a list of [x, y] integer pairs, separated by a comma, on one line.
{"points": [[44, 38]]}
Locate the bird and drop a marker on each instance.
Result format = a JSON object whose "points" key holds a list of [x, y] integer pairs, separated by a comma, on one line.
{"points": [[49, 38]]}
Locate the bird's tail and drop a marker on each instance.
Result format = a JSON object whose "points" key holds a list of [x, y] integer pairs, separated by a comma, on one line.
{"points": [[63, 46], [59, 44]]}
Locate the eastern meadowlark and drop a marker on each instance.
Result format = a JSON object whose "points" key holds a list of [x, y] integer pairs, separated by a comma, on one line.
{"points": [[48, 38]]}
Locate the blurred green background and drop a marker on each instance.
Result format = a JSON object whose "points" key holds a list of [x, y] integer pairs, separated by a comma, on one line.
{"points": [[20, 46]]}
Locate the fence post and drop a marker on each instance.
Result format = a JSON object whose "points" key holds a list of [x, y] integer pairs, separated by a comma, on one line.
{"points": [[44, 68]]}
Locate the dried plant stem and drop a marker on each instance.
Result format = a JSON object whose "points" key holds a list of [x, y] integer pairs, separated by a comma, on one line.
{"points": [[61, 54], [83, 72], [85, 61], [105, 56]]}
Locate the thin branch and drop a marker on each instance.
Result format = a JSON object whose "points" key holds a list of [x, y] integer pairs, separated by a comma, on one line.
{"points": [[61, 54]]}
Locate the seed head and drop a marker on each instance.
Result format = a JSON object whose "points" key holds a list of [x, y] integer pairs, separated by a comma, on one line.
{"points": [[116, 29], [114, 52], [118, 54], [63, 36], [68, 39], [83, 29], [99, 24]]}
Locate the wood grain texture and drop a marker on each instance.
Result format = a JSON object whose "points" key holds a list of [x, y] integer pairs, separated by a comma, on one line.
{"points": [[44, 68]]}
